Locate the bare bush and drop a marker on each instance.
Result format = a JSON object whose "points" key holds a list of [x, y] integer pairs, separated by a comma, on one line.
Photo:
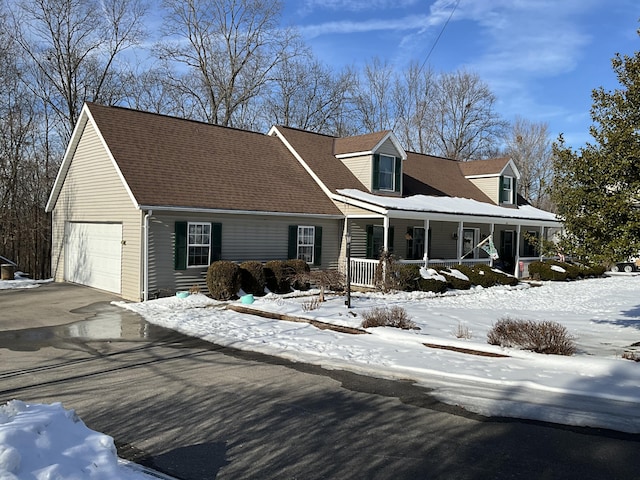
{"points": [[462, 332], [541, 337], [629, 355], [311, 304], [388, 317]]}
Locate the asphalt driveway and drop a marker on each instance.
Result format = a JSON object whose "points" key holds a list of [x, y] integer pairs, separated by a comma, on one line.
{"points": [[198, 411]]}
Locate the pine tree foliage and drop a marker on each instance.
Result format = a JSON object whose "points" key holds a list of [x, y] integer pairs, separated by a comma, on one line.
{"points": [[597, 189]]}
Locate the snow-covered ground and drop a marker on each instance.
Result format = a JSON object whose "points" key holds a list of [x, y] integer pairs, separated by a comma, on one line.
{"points": [[21, 282], [47, 442], [596, 387]]}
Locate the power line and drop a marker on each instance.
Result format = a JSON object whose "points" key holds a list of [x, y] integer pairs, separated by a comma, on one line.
{"points": [[455, 6]]}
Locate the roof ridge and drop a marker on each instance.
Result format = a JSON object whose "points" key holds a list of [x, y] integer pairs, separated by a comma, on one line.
{"points": [[173, 117]]}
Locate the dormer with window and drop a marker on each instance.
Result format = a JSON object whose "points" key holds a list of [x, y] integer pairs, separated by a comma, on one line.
{"points": [[375, 159], [497, 178]]}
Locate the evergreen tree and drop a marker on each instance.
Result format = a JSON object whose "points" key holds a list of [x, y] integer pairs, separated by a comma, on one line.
{"points": [[597, 189]]}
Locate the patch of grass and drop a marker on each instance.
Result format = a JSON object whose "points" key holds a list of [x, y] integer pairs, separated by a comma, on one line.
{"points": [[388, 317], [540, 337]]}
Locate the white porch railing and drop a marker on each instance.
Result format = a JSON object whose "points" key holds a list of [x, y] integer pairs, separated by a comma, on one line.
{"points": [[363, 269]]}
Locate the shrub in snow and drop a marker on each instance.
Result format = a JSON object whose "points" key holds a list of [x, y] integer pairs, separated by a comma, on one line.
{"points": [[456, 279], [540, 337], [495, 276], [543, 271], [278, 275], [223, 280], [434, 285], [252, 277], [297, 271], [406, 276], [388, 317]]}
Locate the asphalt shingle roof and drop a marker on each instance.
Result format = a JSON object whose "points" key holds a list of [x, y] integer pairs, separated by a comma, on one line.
{"points": [[174, 162]]}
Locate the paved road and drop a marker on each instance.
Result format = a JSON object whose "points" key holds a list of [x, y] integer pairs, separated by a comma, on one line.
{"points": [[198, 411]]}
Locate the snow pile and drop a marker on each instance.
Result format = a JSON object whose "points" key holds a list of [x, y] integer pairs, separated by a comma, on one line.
{"points": [[44, 442], [596, 387], [21, 281]]}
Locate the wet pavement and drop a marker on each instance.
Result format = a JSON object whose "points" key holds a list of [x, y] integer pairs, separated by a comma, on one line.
{"points": [[102, 322], [197, 411]]}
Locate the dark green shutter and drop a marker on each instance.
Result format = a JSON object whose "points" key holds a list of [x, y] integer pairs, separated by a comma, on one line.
{"points": [[317, 246], [180, 246], [390, 240], [515, 191], [370, 241], [502, 192], [398, 174], [409, 252], [293, 242], [216, 242], [375, 184]]}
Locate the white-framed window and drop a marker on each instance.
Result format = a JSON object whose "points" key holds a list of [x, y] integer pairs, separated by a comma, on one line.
{"points": [[507, 195], [198, 244], [386, 173], [305, 246]]}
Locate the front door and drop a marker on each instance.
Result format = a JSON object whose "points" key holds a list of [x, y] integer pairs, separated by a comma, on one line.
{"points": [[507, 250]]}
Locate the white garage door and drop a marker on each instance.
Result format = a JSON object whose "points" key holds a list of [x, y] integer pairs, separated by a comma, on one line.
{"points": [[93, 254]]}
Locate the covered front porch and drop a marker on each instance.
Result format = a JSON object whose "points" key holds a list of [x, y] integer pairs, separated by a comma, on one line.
{"points": [[439, 240]]}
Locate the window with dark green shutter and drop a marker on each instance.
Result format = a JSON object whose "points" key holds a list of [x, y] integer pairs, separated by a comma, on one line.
{"points": [[197, 244], [305, 243]]}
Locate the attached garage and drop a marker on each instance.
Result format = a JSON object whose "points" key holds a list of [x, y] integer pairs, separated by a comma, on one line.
{"points": [[93, 255]]}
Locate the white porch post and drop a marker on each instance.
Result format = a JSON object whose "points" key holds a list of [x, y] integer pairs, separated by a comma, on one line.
{"points": [[425, 257], [460, 240], [541, 241], [517, 256], [385, 239], [491, 231]]}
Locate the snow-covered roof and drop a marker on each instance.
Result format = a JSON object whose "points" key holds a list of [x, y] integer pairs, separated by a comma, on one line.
{"points": [[450, 205]]}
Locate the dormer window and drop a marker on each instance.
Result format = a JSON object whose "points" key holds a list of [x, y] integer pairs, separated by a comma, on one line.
{"points": [[508, 190], [386, 173]]}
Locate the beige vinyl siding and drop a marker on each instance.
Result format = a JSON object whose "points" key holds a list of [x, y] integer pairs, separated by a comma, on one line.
{"points": [[490, 186], [244, 237], [361, 167], [388, 148], [93, 192]]}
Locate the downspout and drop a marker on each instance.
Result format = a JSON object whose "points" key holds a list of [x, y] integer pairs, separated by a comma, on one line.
{"points": [[145, 258]]}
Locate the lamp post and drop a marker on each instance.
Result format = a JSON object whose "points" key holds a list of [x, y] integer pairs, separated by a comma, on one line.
{"points": [[348, 239]]}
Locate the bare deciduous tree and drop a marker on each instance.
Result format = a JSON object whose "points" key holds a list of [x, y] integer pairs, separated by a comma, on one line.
{"points": [[71, 47], [413, 97], [373, 97], [230, 49], [467, 124], [529, 146], [308, 95]]}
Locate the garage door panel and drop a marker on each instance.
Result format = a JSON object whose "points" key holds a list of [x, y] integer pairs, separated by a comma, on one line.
{"points": [[93, 254]]}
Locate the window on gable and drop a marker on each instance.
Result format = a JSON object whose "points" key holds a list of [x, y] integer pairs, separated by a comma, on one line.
{"points": [[198, 244], [386, 173], [507, 190]]}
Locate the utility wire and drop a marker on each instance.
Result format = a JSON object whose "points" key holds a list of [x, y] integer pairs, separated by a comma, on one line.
{"points": [[455, 6]]}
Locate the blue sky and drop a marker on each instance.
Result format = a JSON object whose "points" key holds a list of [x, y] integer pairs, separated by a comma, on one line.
{"points": [[541, 58]]}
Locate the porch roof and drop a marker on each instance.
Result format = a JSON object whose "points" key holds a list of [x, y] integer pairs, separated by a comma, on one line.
{"points": [[451, 206]]}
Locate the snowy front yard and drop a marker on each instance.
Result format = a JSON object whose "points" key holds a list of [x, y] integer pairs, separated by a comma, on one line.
{"points": [[596, 387]]}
